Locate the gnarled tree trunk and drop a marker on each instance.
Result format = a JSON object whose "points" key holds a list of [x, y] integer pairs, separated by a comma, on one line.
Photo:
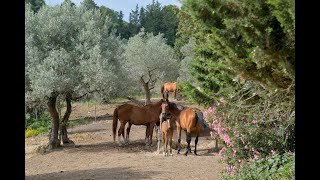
{"points": [[64, 121], [146, 94], [54, 142]]}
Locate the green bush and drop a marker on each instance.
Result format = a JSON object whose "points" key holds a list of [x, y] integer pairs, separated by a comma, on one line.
{"points": [[37, 126], [246, 136], [34, 132], [275, 166]]}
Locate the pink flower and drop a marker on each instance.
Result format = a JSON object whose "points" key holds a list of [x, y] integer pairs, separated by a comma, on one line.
{"points": [[254, 121], [242, 140], [223, 114], [234, 152], [273, 152], [235, 133], [221, 151], [211, 134], [222, 100]]}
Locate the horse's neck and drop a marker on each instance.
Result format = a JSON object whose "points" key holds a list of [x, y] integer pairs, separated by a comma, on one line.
{"points": [[176, 112]]}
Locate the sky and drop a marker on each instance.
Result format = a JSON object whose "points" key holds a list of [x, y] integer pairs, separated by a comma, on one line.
{"points": [[120, 5]]}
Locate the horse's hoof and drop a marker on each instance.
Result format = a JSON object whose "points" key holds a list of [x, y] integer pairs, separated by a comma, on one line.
{"points": [[186, 153], [195, 153], [178, 152]]}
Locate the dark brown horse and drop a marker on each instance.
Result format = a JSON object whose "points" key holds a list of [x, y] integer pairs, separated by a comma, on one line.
{"points": [[127, 113], [188, 119], [170, 87]]}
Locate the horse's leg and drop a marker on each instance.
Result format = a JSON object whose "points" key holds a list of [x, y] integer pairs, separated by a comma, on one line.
{"points": [[188, 134], [158, 137], [128, 132], [196, 141], [147, 134], [179, 138], [166, 142], [163, 140], [195, 145], [121, 132], [151, 133], [170, 145], [189, 150]]}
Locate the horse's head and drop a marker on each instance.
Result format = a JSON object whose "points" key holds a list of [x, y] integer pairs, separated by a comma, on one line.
{"points": [[165, 108]]}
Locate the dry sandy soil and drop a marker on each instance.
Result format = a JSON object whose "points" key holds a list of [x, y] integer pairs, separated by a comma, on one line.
{"points": [[95, 156]]}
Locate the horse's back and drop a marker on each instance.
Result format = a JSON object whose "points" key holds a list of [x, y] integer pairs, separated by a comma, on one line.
{"points": [[169, 86], [188, 119]]}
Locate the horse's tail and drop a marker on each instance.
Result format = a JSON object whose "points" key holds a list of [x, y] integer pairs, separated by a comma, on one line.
{"points": [[115, 123], [162, 89]]}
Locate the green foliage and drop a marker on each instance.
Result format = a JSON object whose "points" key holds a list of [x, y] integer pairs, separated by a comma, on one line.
{"points": [[190, 92], [149, 58], [244, 51], [70, 50], [89, 4], [35, 4], [42, 122], [155, 19], [37, 126], [276, 166]]}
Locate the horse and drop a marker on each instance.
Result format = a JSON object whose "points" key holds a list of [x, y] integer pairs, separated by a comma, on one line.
{"points": [[170, 87], [167, 130], [167, 134], [128, 113], [188, 119]]}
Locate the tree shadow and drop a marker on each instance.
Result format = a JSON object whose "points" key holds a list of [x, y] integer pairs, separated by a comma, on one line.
{"points": [[133, 147], [101, 173]]}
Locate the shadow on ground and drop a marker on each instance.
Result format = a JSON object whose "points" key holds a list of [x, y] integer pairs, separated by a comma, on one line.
{"points": [[101, 173]]}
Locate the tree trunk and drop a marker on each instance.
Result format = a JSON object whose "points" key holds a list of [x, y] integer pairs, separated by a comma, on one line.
{"points": [[64, 122], [146, 93], [53, 138]]}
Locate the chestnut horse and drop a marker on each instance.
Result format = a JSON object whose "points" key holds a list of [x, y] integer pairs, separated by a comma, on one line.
{"points": [[189, 119], [170, 87], [167, 130], [127, 113]]}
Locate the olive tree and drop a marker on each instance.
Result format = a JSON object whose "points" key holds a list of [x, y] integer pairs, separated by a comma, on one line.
{"points": [[148, 59], [70, 53]]}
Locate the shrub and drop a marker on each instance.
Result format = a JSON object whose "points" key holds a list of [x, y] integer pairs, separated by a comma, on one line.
{"points": [[276, 166], [248, 140]]}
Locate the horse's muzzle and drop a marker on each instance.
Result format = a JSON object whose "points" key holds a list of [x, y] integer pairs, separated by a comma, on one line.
{"points": [[164, 114]]}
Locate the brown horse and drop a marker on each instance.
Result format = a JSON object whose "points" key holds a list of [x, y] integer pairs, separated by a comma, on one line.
{"points": [[188, 119], [167, 134], [170, 87], [167, 130], [132, 114]]}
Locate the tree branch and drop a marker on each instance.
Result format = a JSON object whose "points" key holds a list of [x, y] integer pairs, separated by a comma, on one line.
{"points": [[85, 94]]}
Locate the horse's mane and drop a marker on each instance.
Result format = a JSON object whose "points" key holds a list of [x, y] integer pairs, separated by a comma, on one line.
{"points": [[173, 105]]}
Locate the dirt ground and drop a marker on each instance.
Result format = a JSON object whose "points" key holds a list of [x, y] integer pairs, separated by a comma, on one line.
{"points": [[95, 156]]}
